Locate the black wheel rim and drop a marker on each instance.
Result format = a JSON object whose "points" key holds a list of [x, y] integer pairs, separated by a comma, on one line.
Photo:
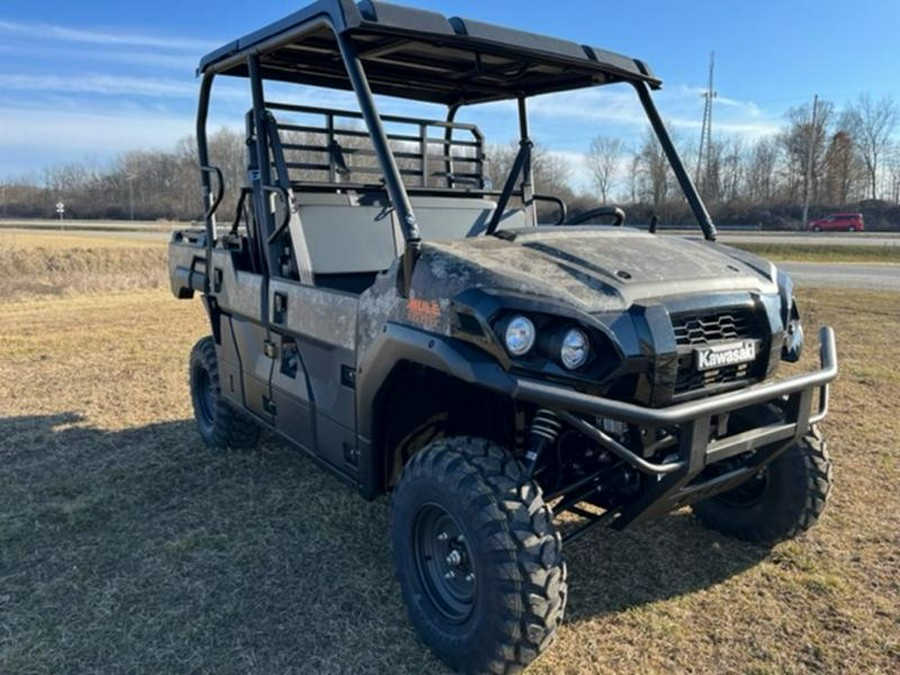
{"points": [[747, 494], [444, 563], [205, 396]]}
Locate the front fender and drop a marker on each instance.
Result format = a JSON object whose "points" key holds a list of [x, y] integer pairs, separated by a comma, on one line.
{"points": [[398, 344]]}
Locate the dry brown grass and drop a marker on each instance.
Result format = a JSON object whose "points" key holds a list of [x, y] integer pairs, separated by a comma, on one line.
{"points": [[824, 253], [126, 545], [34, 264]]}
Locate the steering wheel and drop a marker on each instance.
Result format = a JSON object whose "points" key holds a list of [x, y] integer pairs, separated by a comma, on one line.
{"points": [[617, 214]]}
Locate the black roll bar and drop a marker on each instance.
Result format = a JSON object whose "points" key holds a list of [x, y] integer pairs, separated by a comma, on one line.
{"points": [[209, 216], [687, 185], [392, 177], [220, 190]]}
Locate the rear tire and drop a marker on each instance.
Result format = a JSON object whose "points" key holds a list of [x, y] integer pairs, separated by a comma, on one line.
{"points": [[783, 501], [220, 425], [477, 556]]}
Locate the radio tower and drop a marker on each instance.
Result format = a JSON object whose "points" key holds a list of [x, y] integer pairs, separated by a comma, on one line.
{"points": [[706, 128]]}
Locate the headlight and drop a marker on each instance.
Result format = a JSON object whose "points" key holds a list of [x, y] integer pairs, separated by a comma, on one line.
{"points": [[575, 349], [519, 336]]}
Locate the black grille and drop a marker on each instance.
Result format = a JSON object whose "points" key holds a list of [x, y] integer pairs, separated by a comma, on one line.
{"points": [[692, 330], [706, 328]]}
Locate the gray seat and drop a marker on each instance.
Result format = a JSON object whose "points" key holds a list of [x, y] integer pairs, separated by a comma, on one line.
{"points": [[350, 233], [347, 234]]}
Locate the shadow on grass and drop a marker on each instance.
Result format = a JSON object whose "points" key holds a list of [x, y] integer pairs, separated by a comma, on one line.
{"points": [[142, 550], [611, 571]]}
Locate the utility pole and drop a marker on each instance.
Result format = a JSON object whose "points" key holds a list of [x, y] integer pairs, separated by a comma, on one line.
{"points": [[706, 127], [813, 133]]}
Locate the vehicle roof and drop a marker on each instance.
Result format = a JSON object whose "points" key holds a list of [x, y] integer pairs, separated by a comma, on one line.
{"points": [[421, 55]]}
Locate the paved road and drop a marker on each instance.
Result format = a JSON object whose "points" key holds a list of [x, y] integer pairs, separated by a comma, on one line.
{"points": [[844, 275]]}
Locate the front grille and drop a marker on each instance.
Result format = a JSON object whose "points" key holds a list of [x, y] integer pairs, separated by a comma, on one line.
{"points": [[693, 330], [701, 330]]}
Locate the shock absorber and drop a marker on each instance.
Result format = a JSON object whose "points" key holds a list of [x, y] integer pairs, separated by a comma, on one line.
{"points": [[545, 428]]}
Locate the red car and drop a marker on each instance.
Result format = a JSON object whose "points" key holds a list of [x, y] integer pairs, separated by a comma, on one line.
{"points": [[838, 222]]}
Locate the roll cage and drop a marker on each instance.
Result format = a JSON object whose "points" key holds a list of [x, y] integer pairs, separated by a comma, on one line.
{"points": [[378, 48]]}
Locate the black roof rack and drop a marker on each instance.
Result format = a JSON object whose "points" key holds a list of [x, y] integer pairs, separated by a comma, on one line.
{"points": [[421, 55]]}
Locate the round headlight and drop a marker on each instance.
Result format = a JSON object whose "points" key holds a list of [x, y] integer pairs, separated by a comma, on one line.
{"points": [[519, 336], [575, 349]]}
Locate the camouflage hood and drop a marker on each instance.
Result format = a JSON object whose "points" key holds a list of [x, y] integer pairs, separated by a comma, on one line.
{"points": [[596, 269]]}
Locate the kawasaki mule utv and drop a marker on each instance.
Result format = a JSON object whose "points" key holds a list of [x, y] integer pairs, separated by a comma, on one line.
{"points": [[416, 330]]}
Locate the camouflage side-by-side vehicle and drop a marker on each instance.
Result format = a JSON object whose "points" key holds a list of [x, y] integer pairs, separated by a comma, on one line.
{"points": [[419, 332]]}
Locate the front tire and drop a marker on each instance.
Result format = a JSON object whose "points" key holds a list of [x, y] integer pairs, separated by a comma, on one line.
{"points": [[478, 558], [220, 425], [784, 500]]}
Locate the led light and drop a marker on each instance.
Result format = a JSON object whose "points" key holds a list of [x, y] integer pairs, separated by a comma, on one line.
{"points": [[519, 336], [575, 349]]}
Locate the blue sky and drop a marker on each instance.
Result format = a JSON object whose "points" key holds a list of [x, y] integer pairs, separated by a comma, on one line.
{"points": [[87, 80]]}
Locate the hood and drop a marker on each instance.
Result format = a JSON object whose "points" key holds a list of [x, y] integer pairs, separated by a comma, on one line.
{"points": [[597, 268]]}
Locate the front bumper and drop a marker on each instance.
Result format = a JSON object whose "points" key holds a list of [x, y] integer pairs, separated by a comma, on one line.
{"points": [[677, 483]]}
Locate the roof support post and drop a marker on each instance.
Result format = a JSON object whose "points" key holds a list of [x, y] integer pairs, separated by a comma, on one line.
{"points": [[392, 178], [203, 157], [687, 185], [263, 178], [528, 167], [448, 137]]}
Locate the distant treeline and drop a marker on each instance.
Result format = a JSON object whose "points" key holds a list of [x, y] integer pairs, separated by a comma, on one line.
{"points": [[847, 161]]}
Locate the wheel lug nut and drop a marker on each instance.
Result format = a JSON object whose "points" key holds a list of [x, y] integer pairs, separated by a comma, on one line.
{"points": [[443, 536], [450, 575], [470, 577]]}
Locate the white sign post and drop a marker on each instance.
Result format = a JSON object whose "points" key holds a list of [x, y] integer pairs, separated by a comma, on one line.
{"points": [[61, 209]]}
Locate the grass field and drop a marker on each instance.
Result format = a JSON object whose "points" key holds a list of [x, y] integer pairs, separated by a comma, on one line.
{"points": [[824, 252], [126, 545], [65, 263]]}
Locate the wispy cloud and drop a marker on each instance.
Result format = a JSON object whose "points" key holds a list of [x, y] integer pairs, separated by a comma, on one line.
{"points": [[617, 111], [45, 31], [37, 138], [99, 84]]}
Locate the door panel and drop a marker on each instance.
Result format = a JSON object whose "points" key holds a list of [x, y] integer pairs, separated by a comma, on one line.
{"points": [[251, 339], [291, 394], [315, 407]]}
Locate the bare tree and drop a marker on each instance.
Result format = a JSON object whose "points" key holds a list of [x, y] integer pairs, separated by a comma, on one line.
{"points": [[872, 123], [709, 178], [843, 169], [732, 168], [893, 172], [796, 142], [761, 172], [634, 174], [603, 159], [552, 172], [655, 173]]}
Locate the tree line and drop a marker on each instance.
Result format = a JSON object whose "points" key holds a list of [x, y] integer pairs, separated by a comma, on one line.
{"points": [[845, 160]]}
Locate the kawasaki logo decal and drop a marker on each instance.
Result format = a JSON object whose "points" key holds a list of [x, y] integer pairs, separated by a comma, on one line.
{"points": [[725, 355]]}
